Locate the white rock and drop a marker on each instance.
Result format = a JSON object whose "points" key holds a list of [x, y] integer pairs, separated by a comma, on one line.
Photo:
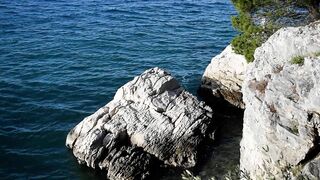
{"points": [[151, 117], [281, 120], [224, 76]]}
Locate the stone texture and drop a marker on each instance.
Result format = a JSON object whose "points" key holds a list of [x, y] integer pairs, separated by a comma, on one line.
{"points": [[151, 119], [281, 120], [224, 76]]}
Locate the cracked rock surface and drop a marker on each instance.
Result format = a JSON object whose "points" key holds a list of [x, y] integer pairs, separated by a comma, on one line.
{"points": [[224, 76], [151, 119], [281, 120]]}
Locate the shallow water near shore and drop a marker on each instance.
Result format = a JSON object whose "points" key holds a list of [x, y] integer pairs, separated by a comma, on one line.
{"points": [[62, 60]]}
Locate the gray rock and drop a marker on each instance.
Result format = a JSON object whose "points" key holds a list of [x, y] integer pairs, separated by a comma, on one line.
{"points": [[224, 76], [151, 118], [281, 121]]}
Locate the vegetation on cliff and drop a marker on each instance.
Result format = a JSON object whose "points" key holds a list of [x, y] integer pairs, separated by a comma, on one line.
{"points": [[253, 34]]}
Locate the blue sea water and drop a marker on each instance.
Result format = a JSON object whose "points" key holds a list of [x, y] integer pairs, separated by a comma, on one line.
{"points": [[60, 60]]}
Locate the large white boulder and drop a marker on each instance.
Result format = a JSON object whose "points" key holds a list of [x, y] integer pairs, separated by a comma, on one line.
{"points": [[281, 120], [151, 119]]}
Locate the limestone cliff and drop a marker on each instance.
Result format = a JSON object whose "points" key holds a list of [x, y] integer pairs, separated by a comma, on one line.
{"points": [[281, 121]]}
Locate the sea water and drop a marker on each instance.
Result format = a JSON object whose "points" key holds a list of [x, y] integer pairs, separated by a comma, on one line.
{"points": [[60, 60]]}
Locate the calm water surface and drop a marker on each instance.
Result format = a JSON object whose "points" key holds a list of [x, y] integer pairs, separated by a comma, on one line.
{"points": [[60, 60]]}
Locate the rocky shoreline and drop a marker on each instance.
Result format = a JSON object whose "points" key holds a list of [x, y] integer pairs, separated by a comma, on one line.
{"points": [[281, 121], [152, 121]]}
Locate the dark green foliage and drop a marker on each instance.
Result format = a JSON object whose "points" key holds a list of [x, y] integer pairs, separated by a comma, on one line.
{"points": [[313, 6], [249, 5], [243, 23], [246, 45], [297, 60], [249, 38], [252, 36]]}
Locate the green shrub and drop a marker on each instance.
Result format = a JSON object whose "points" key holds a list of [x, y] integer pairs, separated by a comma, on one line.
{"points": [[249, 38], [244, 24], [252, 36], [249, 5], [246, 44], [297, 60]]}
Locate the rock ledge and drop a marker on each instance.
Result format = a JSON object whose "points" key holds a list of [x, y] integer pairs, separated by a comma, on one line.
{"points": [[224, 76]]}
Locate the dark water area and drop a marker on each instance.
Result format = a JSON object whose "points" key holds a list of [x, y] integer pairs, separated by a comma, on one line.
{"points": [[61, 60]]}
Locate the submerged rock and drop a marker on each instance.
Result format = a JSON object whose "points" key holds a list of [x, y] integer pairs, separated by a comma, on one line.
{"points": [[281, 122], [151, 119], [224, 76]]}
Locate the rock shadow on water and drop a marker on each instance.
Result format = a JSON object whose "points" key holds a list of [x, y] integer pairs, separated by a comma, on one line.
{"points": [[219, 159], [222, 159]]}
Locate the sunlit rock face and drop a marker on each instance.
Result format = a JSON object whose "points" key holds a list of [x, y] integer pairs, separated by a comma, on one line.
{"points": [[281, 121], [224, 76], [151, 120]]}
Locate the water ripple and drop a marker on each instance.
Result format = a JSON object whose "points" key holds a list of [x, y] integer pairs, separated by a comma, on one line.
{"points": [[61, 60]]}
